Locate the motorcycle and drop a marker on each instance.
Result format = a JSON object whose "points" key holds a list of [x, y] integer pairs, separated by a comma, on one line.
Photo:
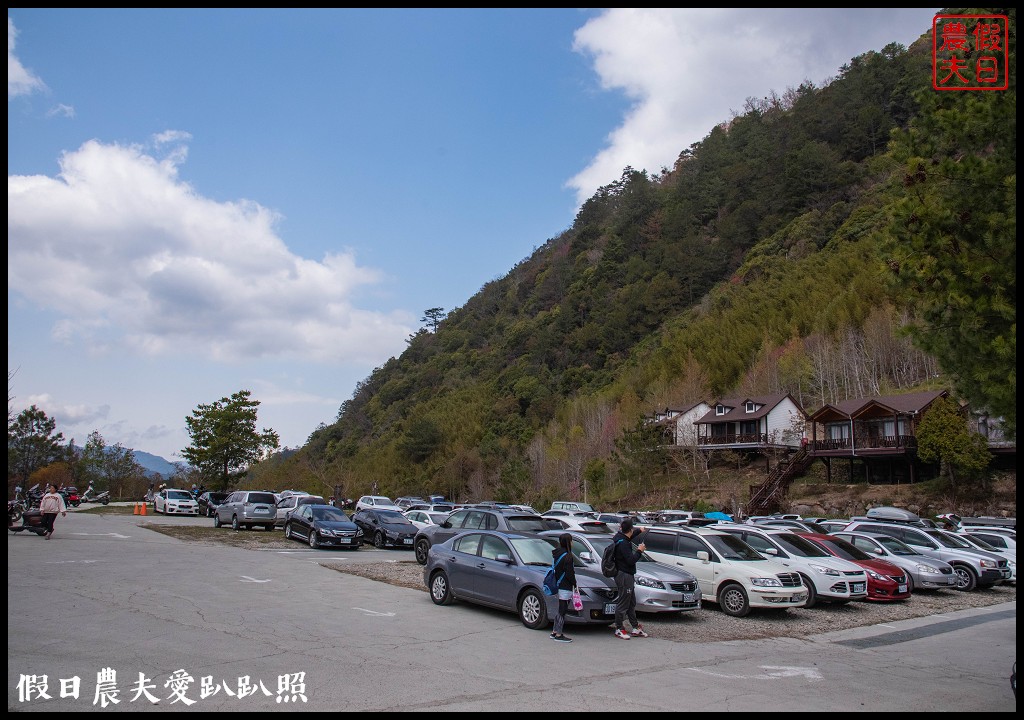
{"points": [[90, 495], [71, 496], [33, 496], [31, 521], [15, 509]]}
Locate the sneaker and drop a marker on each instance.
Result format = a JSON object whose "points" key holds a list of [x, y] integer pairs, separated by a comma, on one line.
{"points": [[638, 631], [561, 638], [621, 633]]}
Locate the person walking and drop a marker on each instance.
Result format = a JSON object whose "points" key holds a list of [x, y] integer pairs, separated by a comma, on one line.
{"points": [[565, 574], [626, 556], [50, 504]]}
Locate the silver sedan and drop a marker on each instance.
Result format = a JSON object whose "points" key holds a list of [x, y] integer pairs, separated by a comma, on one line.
{"points": [[925, 573], [659, 588]]}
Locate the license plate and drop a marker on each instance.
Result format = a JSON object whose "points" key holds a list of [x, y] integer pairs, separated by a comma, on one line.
{"points": [[689, 597], [345, 541], [902, 588], [857, 587], [408, 541], [609, 608]]}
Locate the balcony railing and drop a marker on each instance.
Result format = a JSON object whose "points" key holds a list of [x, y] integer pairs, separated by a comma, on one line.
{"points": [[734, 439], [866, 443]]}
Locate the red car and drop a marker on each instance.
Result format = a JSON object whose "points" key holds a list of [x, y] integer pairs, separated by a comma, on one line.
{"points": [[885, 581]]}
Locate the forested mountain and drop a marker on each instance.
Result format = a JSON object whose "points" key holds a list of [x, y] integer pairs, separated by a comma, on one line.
{"points": [[851, 239]]}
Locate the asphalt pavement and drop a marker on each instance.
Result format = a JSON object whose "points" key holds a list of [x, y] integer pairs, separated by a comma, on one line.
{"points": [[162, 624]]}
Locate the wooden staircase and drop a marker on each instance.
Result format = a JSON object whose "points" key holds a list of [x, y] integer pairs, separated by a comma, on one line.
{"points": [[767, 497]]}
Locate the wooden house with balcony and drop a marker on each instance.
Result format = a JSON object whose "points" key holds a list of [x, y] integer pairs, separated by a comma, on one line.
{"points": [[752, 423], [873, 435], [677, 425]]}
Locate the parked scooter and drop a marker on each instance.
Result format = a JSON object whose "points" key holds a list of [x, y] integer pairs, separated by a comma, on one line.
{"points": [[71, 496], [15, 509], [31, 521], [90, 495], [33, 496]]}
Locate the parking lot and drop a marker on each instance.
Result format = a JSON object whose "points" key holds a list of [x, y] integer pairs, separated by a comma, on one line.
{"points": [[107, 592]]}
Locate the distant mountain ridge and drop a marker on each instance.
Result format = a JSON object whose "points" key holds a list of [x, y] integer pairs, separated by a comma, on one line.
{"points": [[154, 464]]}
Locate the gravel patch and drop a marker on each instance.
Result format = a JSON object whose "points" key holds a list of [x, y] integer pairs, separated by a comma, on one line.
{"points": [[709, 624]]}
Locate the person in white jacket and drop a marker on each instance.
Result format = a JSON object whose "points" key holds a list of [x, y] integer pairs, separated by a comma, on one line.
{"points": [[49, 505]]}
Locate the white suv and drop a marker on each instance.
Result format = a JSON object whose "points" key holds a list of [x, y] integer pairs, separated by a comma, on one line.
{"points": [[729, 572], [376, 502], [826, 576]]}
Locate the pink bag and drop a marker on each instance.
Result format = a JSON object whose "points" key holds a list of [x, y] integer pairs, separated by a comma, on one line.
{"points": [[577, 601]]}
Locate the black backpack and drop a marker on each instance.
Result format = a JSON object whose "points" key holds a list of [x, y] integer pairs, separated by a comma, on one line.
{"points": [[608, 566]]}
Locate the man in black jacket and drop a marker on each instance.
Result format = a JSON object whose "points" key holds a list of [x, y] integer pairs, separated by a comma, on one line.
{"points": [[626, 556]]}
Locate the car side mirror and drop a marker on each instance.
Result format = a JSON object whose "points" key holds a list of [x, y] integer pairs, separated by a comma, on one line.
{"points": [[877, 551], [504, 559], [703, 556], [586, 557], [770, 551], [446, 524]]}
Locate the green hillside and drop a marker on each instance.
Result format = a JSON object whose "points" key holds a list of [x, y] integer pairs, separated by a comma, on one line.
{"points": [[851, 239]]}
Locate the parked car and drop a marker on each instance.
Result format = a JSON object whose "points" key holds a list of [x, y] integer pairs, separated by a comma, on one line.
{"points": [[404, 503], [574, 506], [323, 526], [886, 582], [423, 518], [729, 572], [475, 519], [994, 537], [247, 508], [384, 527], [659, 587], [974, 568], [978, 542], [287, 505], [375, 501], [583, 524], [208, 502], [923, 572], [799, 526], [506, 570], [825, 576], [832, 526], [170, 501]]}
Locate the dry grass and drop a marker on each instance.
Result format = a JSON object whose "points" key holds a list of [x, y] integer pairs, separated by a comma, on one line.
{"points": [[208, 535]]}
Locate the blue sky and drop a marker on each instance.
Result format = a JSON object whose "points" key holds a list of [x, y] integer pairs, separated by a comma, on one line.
{"points": [[206, 201]]}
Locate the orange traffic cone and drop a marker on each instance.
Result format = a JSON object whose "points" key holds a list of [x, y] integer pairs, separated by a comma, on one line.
{"points": [[143, 509], [135, 510]]}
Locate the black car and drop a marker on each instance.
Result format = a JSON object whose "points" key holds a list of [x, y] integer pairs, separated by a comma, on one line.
{"points": [[386, 527], [209, 501], [477, 519], [323, 526]]}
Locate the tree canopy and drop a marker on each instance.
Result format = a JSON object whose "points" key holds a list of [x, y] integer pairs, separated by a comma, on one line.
{"points": [[225, 439]]}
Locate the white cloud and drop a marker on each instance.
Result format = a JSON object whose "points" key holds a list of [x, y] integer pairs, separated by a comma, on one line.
{"points": [[74, 416], [132, 258], [686, 70], [20, 80], [61, 109]]}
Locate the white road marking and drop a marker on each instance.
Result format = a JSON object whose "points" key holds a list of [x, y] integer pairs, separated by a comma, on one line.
{"points": [[65, 562], [772, 672], [246, 578], [374, 612], [117, 535]]}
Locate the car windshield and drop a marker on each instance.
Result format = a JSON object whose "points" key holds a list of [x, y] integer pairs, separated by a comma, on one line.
{"points": [[841, 548], [393, 517], [309, 500], [896, 546], [437, 518], [329, 514], [526, 523], [979, 542], [796, 545], [732, 548], [534, 551], [950, 541], [178, 495], [216, 497]]}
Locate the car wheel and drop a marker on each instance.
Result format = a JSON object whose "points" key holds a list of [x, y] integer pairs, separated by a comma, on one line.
{"points": [[216, 520], [234, 522], [287, 531], [732, 598], [440, 591], [422, 550], [966, 580], [812, 592], [910, 584], [378, 540], [314, 540], [533, 610]]}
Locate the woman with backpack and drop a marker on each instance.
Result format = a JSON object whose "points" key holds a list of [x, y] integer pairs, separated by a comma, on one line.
{"points": [[565, 576]]}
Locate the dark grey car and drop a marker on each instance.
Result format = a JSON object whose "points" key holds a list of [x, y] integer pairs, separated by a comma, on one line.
{"points": [[475, 519], [506, 570], [925, 573]]}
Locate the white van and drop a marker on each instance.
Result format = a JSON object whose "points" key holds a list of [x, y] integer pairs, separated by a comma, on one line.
{"points": [[729, 572]]}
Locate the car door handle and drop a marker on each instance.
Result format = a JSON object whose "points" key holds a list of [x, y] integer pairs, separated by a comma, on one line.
{"points": [[481, 566]]}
